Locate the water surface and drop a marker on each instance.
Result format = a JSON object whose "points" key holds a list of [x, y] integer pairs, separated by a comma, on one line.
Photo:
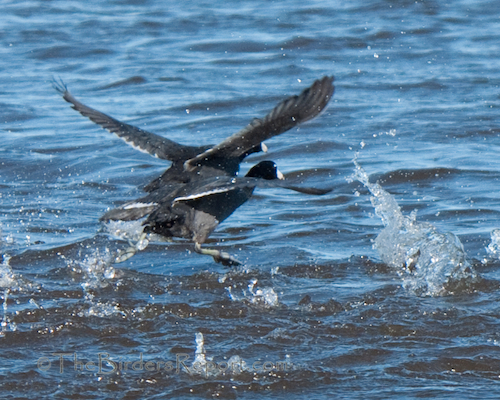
{"points": [[315, 310]]}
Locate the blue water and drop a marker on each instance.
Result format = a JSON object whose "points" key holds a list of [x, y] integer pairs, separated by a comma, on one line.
{"points": [[316, 310]]}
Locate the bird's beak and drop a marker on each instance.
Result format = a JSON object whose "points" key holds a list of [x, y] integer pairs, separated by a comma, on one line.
{"points": [[263, 147], [280, 175]]}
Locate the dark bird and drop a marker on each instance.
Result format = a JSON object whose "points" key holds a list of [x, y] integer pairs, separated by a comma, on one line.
{"points": [[201, 188], [195, 209]]}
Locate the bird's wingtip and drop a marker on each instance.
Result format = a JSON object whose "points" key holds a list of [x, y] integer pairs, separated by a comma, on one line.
{"points": [[59, 85]]}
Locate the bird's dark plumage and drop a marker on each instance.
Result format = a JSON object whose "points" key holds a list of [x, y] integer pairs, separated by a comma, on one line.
{"points": [[201, 188], [195, 210]]}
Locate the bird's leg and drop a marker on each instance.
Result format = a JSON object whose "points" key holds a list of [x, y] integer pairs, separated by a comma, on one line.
{"points": [[124, 255], [219, 256]]}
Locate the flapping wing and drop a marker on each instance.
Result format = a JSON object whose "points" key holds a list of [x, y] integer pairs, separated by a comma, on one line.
{"points": [[144, 141], [284, 116]]}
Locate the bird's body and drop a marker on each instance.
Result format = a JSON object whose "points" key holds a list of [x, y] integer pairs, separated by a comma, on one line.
{"points": [[194, 210], [200, 189]]}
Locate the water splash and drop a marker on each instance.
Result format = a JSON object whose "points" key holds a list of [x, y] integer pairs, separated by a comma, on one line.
{"points": [[429, 262], [5, 319], [6, 240], [203, 365], [127, 230], [234, 365], [265, 297], [7, 281], [96, 272], [95, 267], [493, 249], [6, 274], [200, 362], [133, 233]]}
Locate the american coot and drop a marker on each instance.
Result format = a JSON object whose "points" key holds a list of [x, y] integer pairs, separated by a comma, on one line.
{"points": [[201, 187], [195, 209]]}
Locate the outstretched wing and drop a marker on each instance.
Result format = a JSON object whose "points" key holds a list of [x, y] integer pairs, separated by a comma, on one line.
{"points": [[284, 116], [142, 140]]}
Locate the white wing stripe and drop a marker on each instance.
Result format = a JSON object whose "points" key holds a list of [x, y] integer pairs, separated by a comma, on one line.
{"points": [[203, 194], [135, 146], [139, 205]]}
